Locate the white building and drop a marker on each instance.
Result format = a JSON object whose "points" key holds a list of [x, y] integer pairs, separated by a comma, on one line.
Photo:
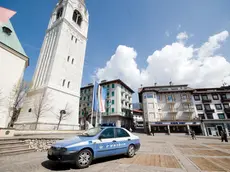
{"points": [[212, 106], [118, 105], [169, 109], [13, 62], [58, 75]]}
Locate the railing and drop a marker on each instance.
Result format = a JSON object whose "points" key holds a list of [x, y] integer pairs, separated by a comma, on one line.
{"points": [[206, 101], [209, 110], [225, 99]]}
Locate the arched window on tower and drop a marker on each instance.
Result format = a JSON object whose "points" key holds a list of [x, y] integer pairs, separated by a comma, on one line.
{"points": [[59, 13], [68, 84], [77, 18], [72, 61], [63, 83]]}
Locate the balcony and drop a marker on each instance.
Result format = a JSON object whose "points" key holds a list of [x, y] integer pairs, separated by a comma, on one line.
{"points": [[186, 101], [225, 99], [209, 110], [188, 110], [227, 110], [171, 101], [173, 110], [206, 101]]}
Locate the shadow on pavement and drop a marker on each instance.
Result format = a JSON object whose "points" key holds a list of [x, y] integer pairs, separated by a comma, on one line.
{"points": [[57, 166]]}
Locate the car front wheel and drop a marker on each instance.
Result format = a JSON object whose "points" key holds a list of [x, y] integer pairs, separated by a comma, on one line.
{"points": [[131, 151], [84, 158]]}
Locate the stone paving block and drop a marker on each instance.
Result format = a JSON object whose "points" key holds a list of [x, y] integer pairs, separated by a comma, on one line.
{"points": [[191, 146], [223, 162], [166, 161], [203, 152], [205, 164]]}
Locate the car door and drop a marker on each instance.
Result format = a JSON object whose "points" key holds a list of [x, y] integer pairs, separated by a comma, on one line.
{"points": [[105, 145], [123, 140]]}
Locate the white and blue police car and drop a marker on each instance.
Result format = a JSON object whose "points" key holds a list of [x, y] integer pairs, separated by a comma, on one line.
{"points": [[95, 143]]}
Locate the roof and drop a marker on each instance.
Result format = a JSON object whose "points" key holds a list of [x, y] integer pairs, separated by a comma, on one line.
{"points": [[137, 110], [110, 82], [119, 82], [11, 40]]}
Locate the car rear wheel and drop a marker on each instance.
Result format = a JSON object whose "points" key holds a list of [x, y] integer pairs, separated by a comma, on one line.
{"points": [[84, 158], [131, 151]]}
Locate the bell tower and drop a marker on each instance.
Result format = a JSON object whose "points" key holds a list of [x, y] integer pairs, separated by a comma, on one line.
{"points": [[59, 69]]}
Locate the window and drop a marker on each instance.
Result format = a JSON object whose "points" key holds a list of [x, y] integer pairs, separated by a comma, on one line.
{"points": [[84, 98], [207, 107], [209, 115], [199, 107], [196, 97], [223, 96], [107, 94], [107, 133], [30, 110], [204, 97], [112, 110], [113, 86], [88, 97], [215, 97], [68, 85], [113, 102], [221, 116], [59, 13], [76, 40], [107, 86], [218, 106], [6, 30], [72, 61], [201, 116], [121, 133], [113, 93], [68, 58], [63, 83], [72, 37], [226, 106], [77, 18]]}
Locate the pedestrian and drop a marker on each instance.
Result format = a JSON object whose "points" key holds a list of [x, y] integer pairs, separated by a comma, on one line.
{"points": [[222, 136], [193, 135], [225, 137]]}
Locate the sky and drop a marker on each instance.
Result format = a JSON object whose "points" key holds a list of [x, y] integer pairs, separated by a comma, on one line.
{"points": [[142, 42]]}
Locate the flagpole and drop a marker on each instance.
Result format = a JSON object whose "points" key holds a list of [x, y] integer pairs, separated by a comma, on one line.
{"points": [[92, 102]]}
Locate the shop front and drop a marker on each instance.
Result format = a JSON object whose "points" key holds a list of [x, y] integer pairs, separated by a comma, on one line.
{"points": [[215, 127], [176, 127]]}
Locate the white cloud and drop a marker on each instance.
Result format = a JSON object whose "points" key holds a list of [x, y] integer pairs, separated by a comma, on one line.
{"points": [[167, 33], [196, 66], [182, 36]]}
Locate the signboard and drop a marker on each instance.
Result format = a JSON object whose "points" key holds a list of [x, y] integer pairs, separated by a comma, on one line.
{"points": [[176, 123]]}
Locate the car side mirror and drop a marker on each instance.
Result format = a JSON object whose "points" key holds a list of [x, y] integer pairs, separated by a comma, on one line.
{"points": [[100, 137]]}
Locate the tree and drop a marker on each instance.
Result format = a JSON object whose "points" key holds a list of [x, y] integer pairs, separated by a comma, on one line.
{"points": [[63, 114], [16, 99], [41, 106]]}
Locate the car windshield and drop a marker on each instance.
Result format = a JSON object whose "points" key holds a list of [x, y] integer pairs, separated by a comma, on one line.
{"points": [[92, 131]]}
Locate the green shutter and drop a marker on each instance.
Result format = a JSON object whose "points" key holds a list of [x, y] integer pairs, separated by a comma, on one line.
{"points": [[113, 93], [113, 86], [113, 102], [112, 110]]}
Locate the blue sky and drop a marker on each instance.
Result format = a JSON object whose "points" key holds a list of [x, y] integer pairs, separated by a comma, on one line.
{"points": [[141, 24]]}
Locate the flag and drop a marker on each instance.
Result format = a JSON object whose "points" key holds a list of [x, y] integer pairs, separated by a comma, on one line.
{"points": [[101, 98], [6, 14], [95, 97]]}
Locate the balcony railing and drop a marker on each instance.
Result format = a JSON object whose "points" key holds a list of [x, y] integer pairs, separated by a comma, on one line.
{"points": [[191, 109], [206, 101], [227, 110], [209, 110], [225, 100], [186, 100]]}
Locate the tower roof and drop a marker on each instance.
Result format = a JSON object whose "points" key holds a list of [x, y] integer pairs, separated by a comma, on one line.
{"points": [[9, 38]]}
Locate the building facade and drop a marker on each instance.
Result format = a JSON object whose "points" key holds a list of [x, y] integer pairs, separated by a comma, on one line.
{"points": [[58, 74], [118, 103], [169, 109], [138, 118], [212, 106], [13, 62]]}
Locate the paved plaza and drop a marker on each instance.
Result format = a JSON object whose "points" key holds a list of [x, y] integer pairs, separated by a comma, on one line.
{"points": [[157, 153]]}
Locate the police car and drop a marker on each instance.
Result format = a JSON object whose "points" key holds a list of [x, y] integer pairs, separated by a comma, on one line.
{"points": [[95, 143]]}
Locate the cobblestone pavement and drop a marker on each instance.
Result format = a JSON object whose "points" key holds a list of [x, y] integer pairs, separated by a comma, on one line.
{"points": [[157, 153]]}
